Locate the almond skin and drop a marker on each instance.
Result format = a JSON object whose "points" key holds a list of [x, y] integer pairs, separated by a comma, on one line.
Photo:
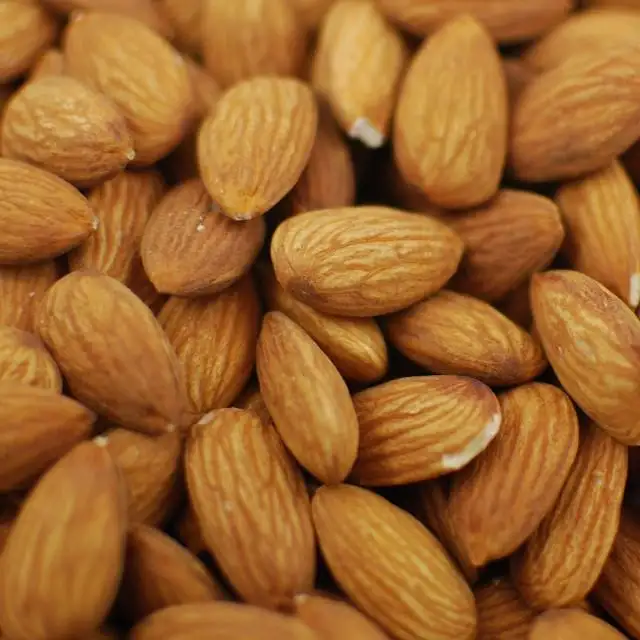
{"points": [[134, 377], [185, 17], [413, 429], [450, 126], [502, 615], [499, 499], [349, 261], [50, 63], [572, 624], [252, 507], [452, 333], [359, 534], [73, 555], [581, 323], [58, 124], [307, 398], [268, 124]]}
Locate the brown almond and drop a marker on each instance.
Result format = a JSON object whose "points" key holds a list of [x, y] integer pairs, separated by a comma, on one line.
{"points": [[206, 90], [516, 305], [144, 289], [518, 75], [189, 533], [50, 63], [572, 624], [251, 399], [502, 614], [312, 11]]}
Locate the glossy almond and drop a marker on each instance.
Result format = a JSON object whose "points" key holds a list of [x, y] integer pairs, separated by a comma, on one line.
{"points": [[502, 614], [349, 261], [572, 624]]}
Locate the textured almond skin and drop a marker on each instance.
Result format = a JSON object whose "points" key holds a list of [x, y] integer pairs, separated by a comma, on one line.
{"points": [[185, 17], [349, 261], [58, 124], [502, 615], [602, 218], [450, 126], [133, 377], [252, 507], [413, 429], [268, 124], [41, 215], [603, 87], [561, 562], [50, 63], [581, 323], [505, 241], [215, 341], [73, 556], [391, 566], [190, 249], [452, 333], [499, 499], [307, 398], [572, 624], [139, 72], [357, 67]]}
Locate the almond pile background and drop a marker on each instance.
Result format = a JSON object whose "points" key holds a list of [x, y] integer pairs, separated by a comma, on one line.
{"points": [[318, 320]]}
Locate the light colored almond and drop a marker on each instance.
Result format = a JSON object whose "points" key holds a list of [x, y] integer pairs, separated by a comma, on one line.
{"points": [[206, 90], [251, 399], [572, 624]]}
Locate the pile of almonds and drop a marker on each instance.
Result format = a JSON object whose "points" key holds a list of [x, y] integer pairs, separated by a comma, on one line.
{"points": [[318, 319]]}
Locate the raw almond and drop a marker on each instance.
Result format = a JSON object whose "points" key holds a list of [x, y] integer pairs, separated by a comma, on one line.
{"points": [[251, 399], [185, 16], [311, 11], [450, 126], [50, 63], [206, 90], [307, 398], [143, 288], [502, 615], [572, 624], [349, 261], [518, 75], [189, 533], [252, 507]]}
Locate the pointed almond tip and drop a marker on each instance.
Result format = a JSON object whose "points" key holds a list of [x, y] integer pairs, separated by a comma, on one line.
{"points": [[634, 290], [453, 462]]}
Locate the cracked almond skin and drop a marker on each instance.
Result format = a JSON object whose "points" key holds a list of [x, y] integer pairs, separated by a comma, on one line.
{"points": [[500, 498], [132, 377], [392, 567], [255, 144], [348, 262], [414, 429], [572, 624], [450, 125], [307, 399], [252, 507], [502, 614], [581, 323], [453, 333], [560, 563]]}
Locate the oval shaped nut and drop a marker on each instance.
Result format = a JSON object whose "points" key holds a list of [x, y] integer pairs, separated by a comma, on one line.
{"points": [[41, 215], [252, 507], [413, 429], [307, 399], [190, 249], [112, 352], [256, 143], [513, 236], [69, 538], [501, 497], [502, 614], [185, 16], [139, 72], [450, 125], [572, 624], [560, 563], [589, 336], [349, 262], [452, 333], [60, 125], [392, 567], [603, 89]]}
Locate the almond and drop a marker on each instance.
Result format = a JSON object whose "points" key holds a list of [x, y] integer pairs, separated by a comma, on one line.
{"points": [[50, 63], [517, 306], [143, 288], [307, 398], [450, 127], [349, 261], [256, 143], [572, 624], [502, 615], [518, 75], [189, 533], [206, 90], [185, 16], [252, 507], [312, 11], [251, 399]]}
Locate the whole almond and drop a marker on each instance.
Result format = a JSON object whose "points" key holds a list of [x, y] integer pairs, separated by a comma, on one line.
{"points": [[455, 77], [307, 398], [50, 63], [572, 624], [349, 261], [185, 16], [502, 615]]}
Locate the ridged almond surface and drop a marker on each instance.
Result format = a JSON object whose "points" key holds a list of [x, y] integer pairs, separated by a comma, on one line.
{"points": [[185, 16], [63, 560], [602, 89], [499, 499], [41, 215], [590, 338], [252, 507], [50, 63], [572, 624], [413, 429], [59, 124], [453, 333], [256, 143], [391, 566], [112, 351], [307, 398], [190, 249], [560, 563], [502, 614], [139, 72], [215, 341], [349, 261], [450, 126]]}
